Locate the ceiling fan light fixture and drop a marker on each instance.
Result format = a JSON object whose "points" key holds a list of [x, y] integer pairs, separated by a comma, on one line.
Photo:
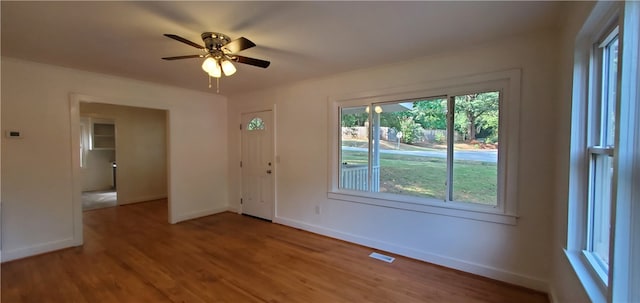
{"points": [[227, 67], [208, 64], [211, 67], [216, 73]]}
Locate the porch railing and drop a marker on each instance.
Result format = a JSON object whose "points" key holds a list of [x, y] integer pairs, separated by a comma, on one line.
{"points": [[356, 177]]}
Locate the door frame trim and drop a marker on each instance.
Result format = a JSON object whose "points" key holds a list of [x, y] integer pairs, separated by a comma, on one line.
{"points": [[275, 159]]}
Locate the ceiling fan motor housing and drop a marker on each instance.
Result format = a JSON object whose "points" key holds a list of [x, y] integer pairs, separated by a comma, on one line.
{"points": [[215, 41]]}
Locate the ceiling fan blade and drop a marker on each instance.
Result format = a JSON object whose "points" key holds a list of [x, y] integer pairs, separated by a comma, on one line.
{"points": [[185, 41], [239, 44], [182, 57], [251, 61]]}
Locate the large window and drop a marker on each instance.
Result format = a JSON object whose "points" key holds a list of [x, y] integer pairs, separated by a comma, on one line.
{"points": [[438, 148], [433, 147]]}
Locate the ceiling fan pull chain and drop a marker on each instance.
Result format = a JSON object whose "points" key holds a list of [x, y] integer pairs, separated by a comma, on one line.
{"points": [[217, 84]]}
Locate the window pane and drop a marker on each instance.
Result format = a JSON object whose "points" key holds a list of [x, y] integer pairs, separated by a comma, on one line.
{"points": [[610, 79], [354, 151], [475, 157], [256, 124], [601, 170], [600, 206], [410, 147]]}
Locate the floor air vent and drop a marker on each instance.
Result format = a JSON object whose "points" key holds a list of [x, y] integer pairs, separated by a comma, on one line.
{"points": [[381, 257]]}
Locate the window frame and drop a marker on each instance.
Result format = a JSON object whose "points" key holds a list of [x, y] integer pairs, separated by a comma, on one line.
{"points": [[596, 143], [626, 235], [507, 82], [600, 26]]}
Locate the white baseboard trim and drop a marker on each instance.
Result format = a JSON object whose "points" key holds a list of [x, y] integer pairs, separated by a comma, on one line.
{"points": [[198, 214], [466, 266], [10, 255], [142, 199]]}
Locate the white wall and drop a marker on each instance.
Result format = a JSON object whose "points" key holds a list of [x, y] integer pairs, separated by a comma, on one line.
{"points": [[97, 173], [141, 150], [37, 178], [518, 254]]}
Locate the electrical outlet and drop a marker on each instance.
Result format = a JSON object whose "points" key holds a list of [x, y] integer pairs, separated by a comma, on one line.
{"points": [[317, 209], [13, 134]]}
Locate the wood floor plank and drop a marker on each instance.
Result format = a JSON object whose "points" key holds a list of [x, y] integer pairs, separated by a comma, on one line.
{"points": [[131, 254]]}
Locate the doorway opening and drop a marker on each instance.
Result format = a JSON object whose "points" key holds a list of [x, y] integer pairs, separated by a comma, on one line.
{"points": [[137, 137], [97, 158]]}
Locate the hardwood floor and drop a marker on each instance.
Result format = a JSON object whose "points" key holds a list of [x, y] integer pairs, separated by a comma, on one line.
{"points": [[132, 255]]}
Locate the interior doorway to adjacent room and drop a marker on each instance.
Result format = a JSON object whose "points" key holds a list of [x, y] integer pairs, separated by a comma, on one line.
{"points": [[97, 160], [137, 138]]}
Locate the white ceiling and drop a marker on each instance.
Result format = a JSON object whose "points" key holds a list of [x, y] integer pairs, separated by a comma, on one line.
{"points": [[301, 39]]}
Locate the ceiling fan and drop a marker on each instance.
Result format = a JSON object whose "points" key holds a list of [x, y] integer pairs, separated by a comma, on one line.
{"points": [[219, 50]]}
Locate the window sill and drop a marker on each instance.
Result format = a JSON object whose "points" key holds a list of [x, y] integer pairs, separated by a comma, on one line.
{"points": [[469, 212], [590, 282]]}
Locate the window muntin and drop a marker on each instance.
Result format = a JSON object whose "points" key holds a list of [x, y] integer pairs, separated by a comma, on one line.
{"points": [[435, 148]]}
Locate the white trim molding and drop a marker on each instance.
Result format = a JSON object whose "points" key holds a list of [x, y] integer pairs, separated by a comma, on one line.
{"points": [[625, 276], [624, 255], [76, 179], [140, 199], [41, 248], [198, 214]]}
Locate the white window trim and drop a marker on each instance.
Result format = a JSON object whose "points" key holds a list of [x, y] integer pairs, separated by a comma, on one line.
{"points": [[584, 89], [508, 82], [625, 276], [624, 267]]}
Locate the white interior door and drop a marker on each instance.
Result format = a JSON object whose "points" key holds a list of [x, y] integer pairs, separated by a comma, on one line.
{"points": [[257, 164]]}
